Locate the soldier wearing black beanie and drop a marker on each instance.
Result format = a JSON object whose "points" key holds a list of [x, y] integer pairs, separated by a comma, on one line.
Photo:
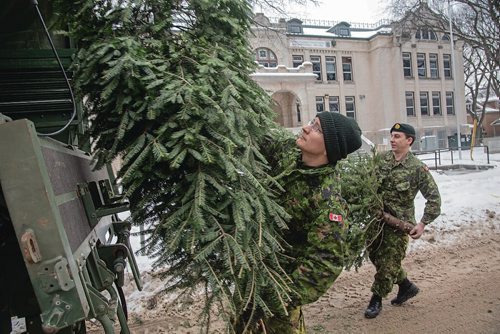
{"points": [[342, 135], [319, 217]]}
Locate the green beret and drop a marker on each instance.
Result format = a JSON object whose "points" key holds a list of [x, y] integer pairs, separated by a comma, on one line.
{"points": [[404, 128]]}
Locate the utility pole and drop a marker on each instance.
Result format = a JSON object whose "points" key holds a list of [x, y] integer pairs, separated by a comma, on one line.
{"points": [[454, 73]]}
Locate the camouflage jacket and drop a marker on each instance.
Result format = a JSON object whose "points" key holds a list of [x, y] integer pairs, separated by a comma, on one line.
{"points": [[316, 231], [400, 183]]}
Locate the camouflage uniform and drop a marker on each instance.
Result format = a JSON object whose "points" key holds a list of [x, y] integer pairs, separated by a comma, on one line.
{"points": [[316, 233], [400, 183]]}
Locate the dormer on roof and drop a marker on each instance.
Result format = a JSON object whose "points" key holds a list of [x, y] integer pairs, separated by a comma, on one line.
{"points": [[342, 29], [294, 26]]}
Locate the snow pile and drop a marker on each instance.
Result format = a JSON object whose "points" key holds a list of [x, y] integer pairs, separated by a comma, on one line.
{"points": [[470, 199]]}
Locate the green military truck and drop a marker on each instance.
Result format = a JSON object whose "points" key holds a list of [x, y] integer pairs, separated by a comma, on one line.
{"points": [[63, 250]]}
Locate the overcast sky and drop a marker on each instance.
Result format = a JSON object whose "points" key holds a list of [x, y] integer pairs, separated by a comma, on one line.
{"points": [[358, 11]]}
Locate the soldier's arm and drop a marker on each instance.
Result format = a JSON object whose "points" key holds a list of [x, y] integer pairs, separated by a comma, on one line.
{"points": [[322, 258], [430, 191]]}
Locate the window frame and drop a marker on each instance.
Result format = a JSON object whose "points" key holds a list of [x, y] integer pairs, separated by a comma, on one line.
{"points": [[424, 97], [421, 65], [299, 112], [450, 107], [347, 104], [406, 68], [425, 35], [447, 66], [317, 67], [436, 103], [434, 70], [344, 31], [332, 101], [268, 59], [347, 61], [329, 60], [295, 59], [409, 107], [320, 103]]}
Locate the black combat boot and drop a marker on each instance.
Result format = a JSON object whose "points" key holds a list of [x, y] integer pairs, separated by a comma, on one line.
{"points": [[374, 307], [406, 291]]}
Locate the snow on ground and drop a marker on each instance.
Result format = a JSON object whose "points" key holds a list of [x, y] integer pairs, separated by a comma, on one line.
{"points": [[470, 199]]}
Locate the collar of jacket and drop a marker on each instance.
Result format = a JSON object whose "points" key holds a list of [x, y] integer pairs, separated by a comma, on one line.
{"points": [[390, 158], [298, 166]]}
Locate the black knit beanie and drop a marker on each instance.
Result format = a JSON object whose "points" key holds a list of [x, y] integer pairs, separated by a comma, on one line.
{"points": [[342, 135]]}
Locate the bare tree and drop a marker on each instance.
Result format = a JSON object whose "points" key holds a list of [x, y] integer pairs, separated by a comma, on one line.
{"points": [[478, 83], [477, 24], [278, 7]]}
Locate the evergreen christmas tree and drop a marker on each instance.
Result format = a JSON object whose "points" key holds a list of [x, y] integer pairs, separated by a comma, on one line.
{"points": [[360, 189], [167, 88]]}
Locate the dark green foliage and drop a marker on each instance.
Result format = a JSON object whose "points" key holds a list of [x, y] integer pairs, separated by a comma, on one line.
{"points": [[358, 175], [167, 89]]}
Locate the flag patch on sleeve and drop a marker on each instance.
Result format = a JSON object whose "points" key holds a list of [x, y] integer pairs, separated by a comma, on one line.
{"points": [[335, 218]]}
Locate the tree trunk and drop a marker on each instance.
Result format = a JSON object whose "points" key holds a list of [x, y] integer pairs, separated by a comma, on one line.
{"points": [[395, 222]]}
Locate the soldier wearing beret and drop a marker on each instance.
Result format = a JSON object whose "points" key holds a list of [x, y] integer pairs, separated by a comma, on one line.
{"points": [[402, 176], [306, 171]]}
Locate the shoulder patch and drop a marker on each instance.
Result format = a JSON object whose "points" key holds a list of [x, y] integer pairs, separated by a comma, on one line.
{"points": [[425, 168], [335, 218]]}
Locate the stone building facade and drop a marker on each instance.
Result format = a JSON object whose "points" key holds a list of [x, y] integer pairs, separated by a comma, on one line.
{"points": [[378, 74]]}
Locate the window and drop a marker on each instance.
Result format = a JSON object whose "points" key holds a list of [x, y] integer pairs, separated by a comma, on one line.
{"points": [[331, 71], [333, 104], [425, 34], [344, 31], [266, 57], [407, 70], [436, 103], [347, 68], [320, 103], [447, 66], [299, 117], [350, 107], [424, 103], [421, 65], [316, 61], [433, 65], [410, 104], [297, 61], [294, 26], [450, 104], [445, 37], [341, 29]]}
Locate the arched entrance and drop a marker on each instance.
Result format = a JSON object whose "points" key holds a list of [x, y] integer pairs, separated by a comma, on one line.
{"points": [[288, 108]]}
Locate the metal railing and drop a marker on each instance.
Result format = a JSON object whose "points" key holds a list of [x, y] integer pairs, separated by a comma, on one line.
{"points": [[437, 155]]}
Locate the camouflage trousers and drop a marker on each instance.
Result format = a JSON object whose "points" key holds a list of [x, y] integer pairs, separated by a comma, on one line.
{"points": [[292, 324], [386, 250]]}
